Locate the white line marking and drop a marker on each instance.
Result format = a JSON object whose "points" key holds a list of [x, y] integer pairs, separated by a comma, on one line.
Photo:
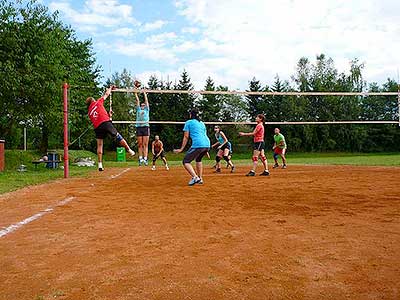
{"points": [[18, 225], [119, 174]]}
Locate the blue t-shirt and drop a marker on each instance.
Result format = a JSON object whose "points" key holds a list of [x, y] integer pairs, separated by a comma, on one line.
{"points": [[198, 133], [142, 115]]}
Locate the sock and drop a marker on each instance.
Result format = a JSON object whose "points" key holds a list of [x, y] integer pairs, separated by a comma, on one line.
{"points": [[145, 158], [140, 157], [100, 165]]}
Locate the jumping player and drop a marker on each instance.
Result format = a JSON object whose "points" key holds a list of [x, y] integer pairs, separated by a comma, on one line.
{"points": [[157, 148], [223, 150], [142, 127], [279, 148], [259, 146], [103, 125], [196, 130]]}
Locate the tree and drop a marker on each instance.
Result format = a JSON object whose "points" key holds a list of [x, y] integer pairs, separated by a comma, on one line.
{"points": [[210, 105], [38, 53]]}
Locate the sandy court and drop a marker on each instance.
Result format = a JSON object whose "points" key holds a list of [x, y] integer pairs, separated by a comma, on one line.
{"points": [[308, 232]]}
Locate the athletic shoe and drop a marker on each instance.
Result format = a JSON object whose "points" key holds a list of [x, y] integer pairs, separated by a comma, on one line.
{"points": [[227, 166], [201, 181], [194, 180], [101, 169], [218, 170], [146, 162], [167, 168], [131, 152], [251, 173], [153, 168], [284, 167], [275, 166], [265, 173], [233, 169], [100, 165], [140, 161]]}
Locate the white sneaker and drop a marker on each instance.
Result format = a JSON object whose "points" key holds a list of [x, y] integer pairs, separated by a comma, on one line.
{"points": [[194, 180], [167, 168], [100, 165], [153, 168], [131, 152]]}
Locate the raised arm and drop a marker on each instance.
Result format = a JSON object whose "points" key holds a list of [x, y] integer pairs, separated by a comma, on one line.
{"points": [[137, 100], [107, 93], [146, 100]]}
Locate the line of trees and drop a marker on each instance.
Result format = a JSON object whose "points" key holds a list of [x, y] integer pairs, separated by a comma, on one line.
{"points": [[38, 53]]}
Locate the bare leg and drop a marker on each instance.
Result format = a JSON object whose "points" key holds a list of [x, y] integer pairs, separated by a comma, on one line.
{"points": [[140, 145], [190, 170], [100, 150], [283, 155], [146, 146], [265, 162], [199, 169], [124, 144], [165, 161], [256, 153], [226, 153]]}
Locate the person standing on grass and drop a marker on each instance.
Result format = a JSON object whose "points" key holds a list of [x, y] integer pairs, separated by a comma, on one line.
{"points": [[196, 131], [142, 126], [223, 149], [279, 148], [259, 146], [157, 148], [103, 126]]}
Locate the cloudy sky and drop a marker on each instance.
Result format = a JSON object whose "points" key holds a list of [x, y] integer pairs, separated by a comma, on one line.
{"points": [[234, 40]]}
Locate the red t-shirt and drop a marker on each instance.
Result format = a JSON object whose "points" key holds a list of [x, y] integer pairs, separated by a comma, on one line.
{"points": [[259, 134], [97, 113]]}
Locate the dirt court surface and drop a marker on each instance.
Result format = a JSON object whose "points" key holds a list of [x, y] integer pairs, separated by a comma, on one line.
{"points": [[308, 232]]}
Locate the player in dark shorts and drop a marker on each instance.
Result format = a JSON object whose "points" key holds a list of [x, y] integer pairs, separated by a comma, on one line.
{"points": [[195, 130], [223, 150], [259, 146], [103, 126], [142, 127], [157, 148]]}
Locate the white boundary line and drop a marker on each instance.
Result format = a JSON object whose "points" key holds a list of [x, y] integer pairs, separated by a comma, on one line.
{"points": [[120, 173], [18, 225]]}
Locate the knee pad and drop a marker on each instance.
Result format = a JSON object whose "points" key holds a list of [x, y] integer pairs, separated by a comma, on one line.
{"points": [[276, 156], [226, 158], [255, 158], [217, 159], [263, 158], [119, 137]]}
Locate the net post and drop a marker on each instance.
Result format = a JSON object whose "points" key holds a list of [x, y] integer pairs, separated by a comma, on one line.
{"points": [[66, 158], [110, 105]]}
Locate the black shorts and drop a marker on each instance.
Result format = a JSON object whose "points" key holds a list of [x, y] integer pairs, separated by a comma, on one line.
{"points": [[195, 154], [104, 129], [143, 131], [225, 146], [259, 146], [162, 155]]}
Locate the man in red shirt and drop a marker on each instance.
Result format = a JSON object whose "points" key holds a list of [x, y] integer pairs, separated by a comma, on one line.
{"points": [[259, 146], [103, 126]]}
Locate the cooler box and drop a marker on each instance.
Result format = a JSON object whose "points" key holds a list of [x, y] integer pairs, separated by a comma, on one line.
{"points": [[121, 154], [2, 160], [53, 158]]}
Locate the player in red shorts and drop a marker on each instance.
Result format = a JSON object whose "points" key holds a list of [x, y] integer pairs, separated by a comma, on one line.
{"points": [[259, 146], [103, 126]]}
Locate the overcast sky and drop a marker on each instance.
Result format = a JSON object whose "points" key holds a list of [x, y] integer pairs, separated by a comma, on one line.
{"points": [[234, 40]]}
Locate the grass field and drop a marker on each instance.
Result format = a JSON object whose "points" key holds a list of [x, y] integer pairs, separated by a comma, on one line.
{"points": [[12, 180]]}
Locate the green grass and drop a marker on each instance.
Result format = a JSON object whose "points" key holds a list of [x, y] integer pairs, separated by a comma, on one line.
{"points": [[12, 180]]}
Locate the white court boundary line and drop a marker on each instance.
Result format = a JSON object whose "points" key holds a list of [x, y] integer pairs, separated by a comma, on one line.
{"points": [[120, 173], [18, 225]]}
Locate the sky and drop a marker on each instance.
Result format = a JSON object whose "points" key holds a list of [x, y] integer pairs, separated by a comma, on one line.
{"points": [[234, 40]]}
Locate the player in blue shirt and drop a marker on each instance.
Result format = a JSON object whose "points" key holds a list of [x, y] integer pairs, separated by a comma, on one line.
{"points": [[196, 131], [143, 128]]}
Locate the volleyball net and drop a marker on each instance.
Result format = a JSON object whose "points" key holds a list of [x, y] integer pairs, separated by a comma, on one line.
{"points": [[362, 96]]}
